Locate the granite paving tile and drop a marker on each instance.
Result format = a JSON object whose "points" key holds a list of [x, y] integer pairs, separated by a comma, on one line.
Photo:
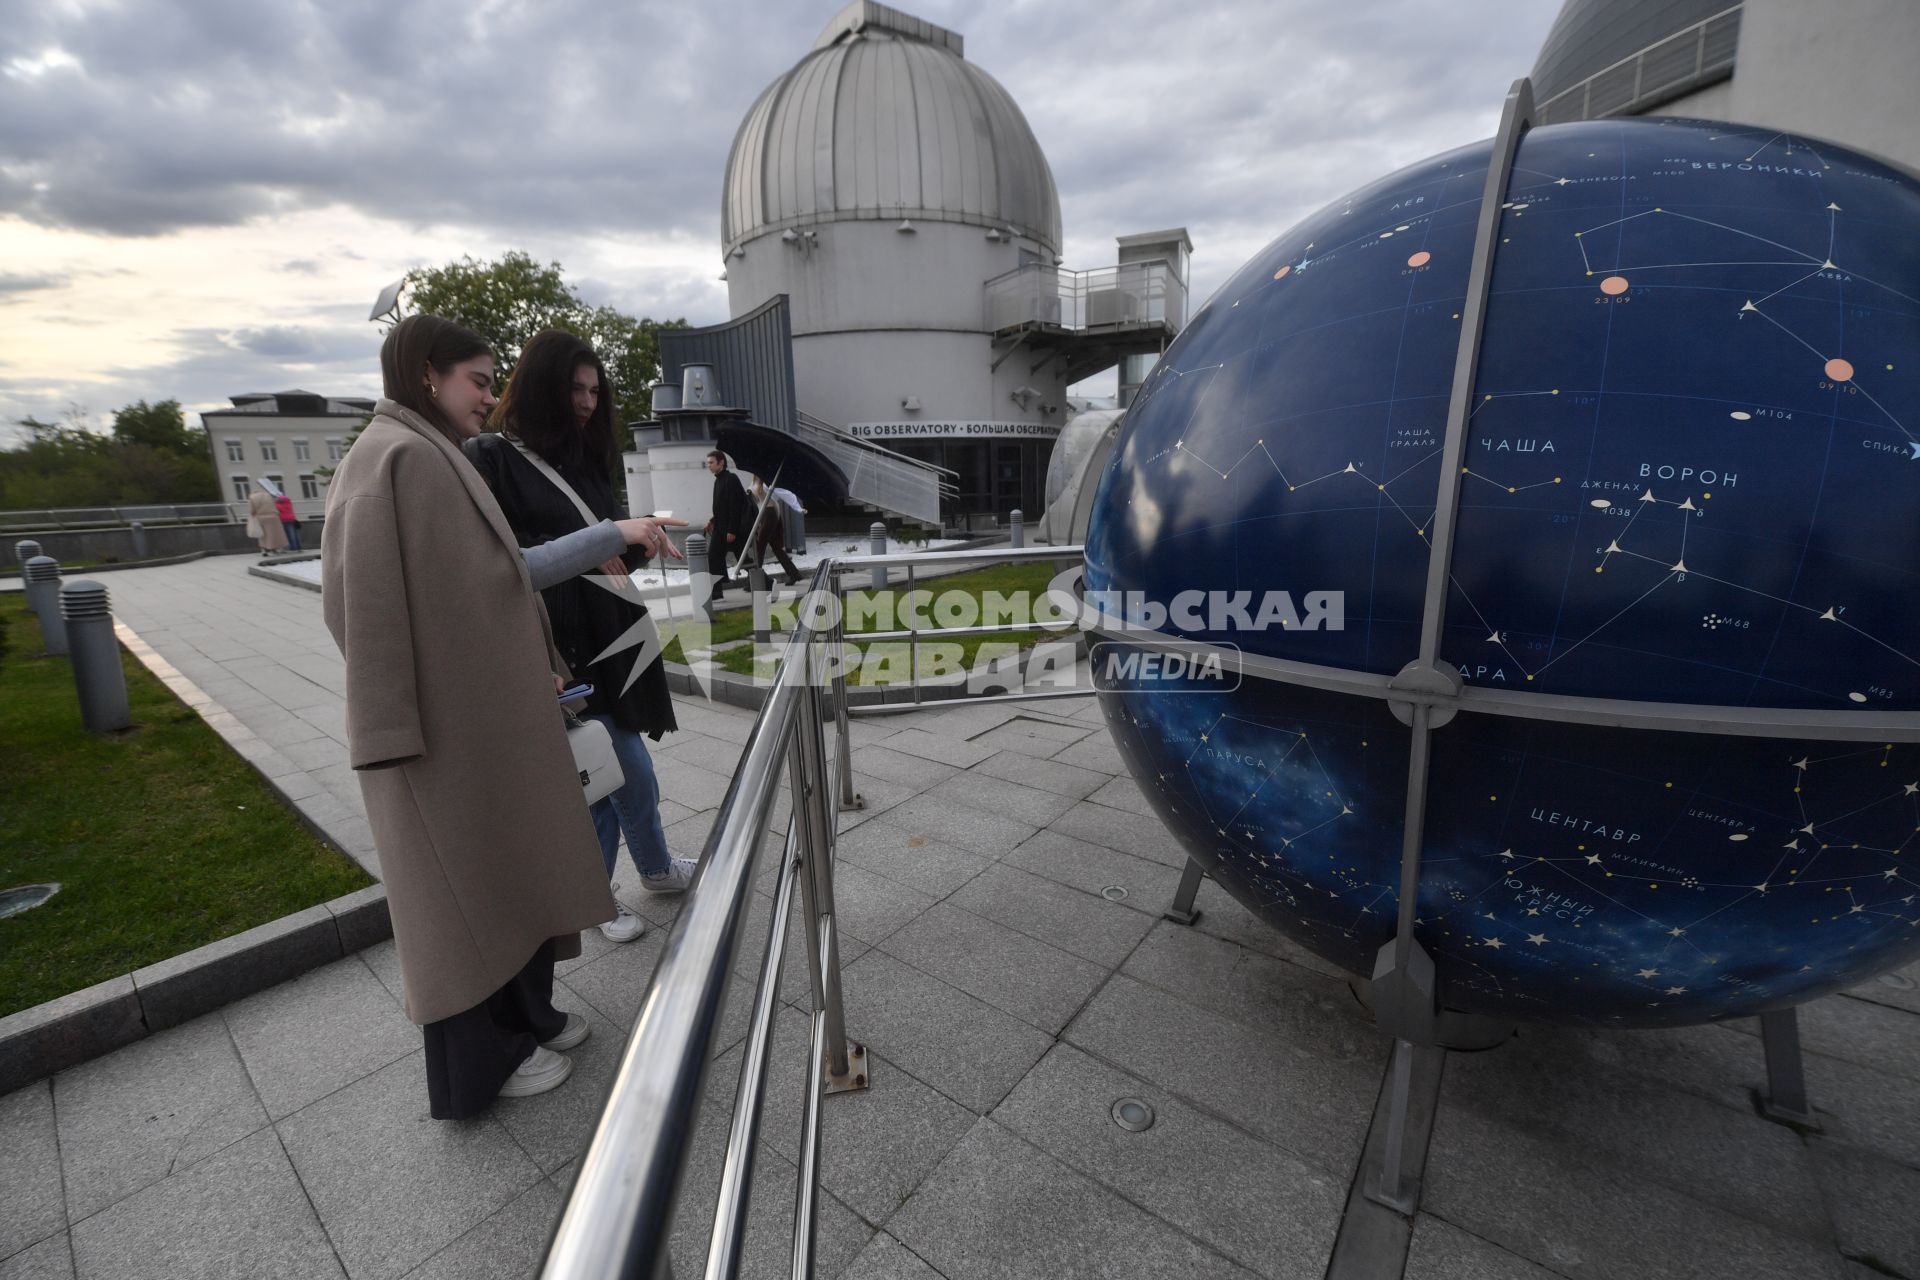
{"points": [[1091, 868], [963, 1047], [1008, 799], [51, 1259], [1556, 1205], [150, 1109], [1260, 1206], [1309, 1097], [510, 1245], [1441, 1251], [1875, 1205], [1126, 832], [392, 1186], [960, 825], [1085, 924], [1030, 979], [32, 1204], [318, 1032], [1047, 775], [999, 1208], [237, 1213], [909, 857]]}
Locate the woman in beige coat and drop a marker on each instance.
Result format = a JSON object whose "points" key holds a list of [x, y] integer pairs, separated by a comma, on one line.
{"points": [[264, 522], [490, 860]]}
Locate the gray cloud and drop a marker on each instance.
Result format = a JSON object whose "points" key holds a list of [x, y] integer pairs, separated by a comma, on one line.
{"points": [[548, 125], [12, 284]]}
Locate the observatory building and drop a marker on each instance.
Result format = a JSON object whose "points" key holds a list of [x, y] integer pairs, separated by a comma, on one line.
{"points": [[1840, 71], [891, 237]]}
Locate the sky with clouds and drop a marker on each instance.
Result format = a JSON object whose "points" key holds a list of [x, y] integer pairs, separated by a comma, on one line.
{"points": [[202, 197]]}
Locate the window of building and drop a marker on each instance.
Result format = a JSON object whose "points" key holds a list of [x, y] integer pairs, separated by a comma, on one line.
{"points": [[279, 481], [269, 450], [302, 452], [309, 486], [236, 452], [336, 448], [240, 486]]}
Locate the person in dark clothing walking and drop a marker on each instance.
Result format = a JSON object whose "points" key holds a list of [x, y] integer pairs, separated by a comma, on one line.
{"points": [[772, 534], [731, 522]]}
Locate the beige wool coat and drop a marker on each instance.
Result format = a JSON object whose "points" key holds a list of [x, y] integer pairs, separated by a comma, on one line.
{"points": [[273, 537], [485, 844]]}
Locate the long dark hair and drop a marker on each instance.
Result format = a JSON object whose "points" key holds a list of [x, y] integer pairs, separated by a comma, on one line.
{"points": [[537, 406], [412, 345]]}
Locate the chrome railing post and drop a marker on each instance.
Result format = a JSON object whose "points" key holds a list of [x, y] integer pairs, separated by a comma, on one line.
{"points": [[846, 1066], [837, 655]]}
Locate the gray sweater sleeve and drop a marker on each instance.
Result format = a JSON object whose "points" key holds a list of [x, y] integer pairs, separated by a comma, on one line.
{"points": [[552, 563]]}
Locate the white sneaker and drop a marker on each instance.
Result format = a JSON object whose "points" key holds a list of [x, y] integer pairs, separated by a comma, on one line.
{"points": [[576, 1030], [543, 1070], [625, 926], [675, 879]]}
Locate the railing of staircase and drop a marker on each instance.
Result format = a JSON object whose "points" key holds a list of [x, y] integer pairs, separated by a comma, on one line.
{"points": [[620, 1212]]}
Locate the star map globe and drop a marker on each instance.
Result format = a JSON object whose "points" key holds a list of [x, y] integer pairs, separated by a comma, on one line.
{"points": [[1691, 475]]}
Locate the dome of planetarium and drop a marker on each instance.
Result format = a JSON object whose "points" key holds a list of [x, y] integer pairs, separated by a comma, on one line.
{"points": [[886, 119]]}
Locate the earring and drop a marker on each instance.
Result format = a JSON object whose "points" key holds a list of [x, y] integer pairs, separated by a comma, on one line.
{"points": [[435, 390]]}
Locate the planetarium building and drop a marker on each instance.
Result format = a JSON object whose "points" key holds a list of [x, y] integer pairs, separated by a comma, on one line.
{"points": [[891, 236]]}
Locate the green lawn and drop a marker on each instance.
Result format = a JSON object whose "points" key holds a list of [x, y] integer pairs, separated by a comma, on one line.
{"points": [[161, 837]]}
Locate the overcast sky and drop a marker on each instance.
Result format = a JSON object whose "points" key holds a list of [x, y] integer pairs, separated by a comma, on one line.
{"points": [[202, 197]]}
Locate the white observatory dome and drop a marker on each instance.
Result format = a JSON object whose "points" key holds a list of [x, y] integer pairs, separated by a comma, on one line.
{"points": [[885, 119]]}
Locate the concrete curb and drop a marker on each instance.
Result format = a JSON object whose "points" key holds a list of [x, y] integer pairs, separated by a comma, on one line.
{"points": [[50, 1037], [265, 569]]}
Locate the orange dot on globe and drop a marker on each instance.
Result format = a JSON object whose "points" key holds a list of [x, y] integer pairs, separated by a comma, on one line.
{"points": [[1281, 273], [1613, 285], [1420, 259], [1839, 370]]}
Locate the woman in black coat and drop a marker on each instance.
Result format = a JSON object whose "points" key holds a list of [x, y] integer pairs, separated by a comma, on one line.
{"points": [[555, 420]]}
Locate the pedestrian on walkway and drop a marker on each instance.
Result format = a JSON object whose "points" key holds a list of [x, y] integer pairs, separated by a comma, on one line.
{"points": [[551, 466], [484, 844], [283, 508], [772, 517], [727, 528], [263, 522]]}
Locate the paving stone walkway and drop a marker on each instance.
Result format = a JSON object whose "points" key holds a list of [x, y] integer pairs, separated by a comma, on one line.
{"points": [[1007, 1004]]}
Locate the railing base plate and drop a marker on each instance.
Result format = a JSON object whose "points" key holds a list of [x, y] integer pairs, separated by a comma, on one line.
{"points": [[858, 1076]]}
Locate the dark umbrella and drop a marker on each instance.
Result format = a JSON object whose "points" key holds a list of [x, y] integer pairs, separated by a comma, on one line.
{"points": [[811, 474]]}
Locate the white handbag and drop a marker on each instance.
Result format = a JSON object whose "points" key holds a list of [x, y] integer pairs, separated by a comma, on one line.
{"points": [[599, 768]]}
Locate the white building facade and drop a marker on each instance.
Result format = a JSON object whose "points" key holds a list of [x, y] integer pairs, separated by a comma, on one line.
{"points": [[293, 438]]}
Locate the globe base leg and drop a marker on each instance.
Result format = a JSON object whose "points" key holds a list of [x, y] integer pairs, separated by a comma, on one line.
{"points": [[1785, 1100], [1182, 912]]}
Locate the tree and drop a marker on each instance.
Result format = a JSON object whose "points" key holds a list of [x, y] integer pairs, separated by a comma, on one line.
{"points": [[509, 300], [151, 457]]}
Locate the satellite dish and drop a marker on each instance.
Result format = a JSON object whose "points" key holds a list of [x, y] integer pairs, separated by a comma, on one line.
{"points": [[388, 303]]}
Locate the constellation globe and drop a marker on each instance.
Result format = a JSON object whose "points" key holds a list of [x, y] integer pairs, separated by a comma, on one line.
{"points": [[1691, 474]]}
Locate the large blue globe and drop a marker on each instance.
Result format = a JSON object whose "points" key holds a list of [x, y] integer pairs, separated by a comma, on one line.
{"points": [[1692, 475]]}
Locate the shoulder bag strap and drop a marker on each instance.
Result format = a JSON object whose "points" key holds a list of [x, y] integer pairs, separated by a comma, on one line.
{"points": [[546, 469]]}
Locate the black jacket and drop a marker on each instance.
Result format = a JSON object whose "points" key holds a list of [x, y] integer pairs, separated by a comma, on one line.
{"points": [[586, 617], [732, 508]]}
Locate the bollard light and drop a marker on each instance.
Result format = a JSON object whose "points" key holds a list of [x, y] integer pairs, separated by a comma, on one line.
{"points": [[139, 532], [699, 580], [1017, 523], [97, 675], [25, 549], [877, 545], [43, 597]]}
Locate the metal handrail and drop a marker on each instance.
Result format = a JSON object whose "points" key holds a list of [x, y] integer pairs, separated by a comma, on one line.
{"points": [[620, 1210]]}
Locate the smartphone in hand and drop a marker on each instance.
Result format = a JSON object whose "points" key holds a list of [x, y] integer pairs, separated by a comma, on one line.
{"points": [[577, 693]]}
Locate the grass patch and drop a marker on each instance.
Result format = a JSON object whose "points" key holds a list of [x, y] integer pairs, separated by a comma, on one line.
{"points": [[161, 837]]}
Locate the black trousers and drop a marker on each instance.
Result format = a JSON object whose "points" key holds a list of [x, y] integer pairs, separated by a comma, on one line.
{"points": [[471, 1054], [717, 549], [773, 538]]}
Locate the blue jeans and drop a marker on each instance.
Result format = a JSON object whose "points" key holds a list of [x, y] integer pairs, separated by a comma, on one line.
{"points": [[293, 534], [634, 808]]}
